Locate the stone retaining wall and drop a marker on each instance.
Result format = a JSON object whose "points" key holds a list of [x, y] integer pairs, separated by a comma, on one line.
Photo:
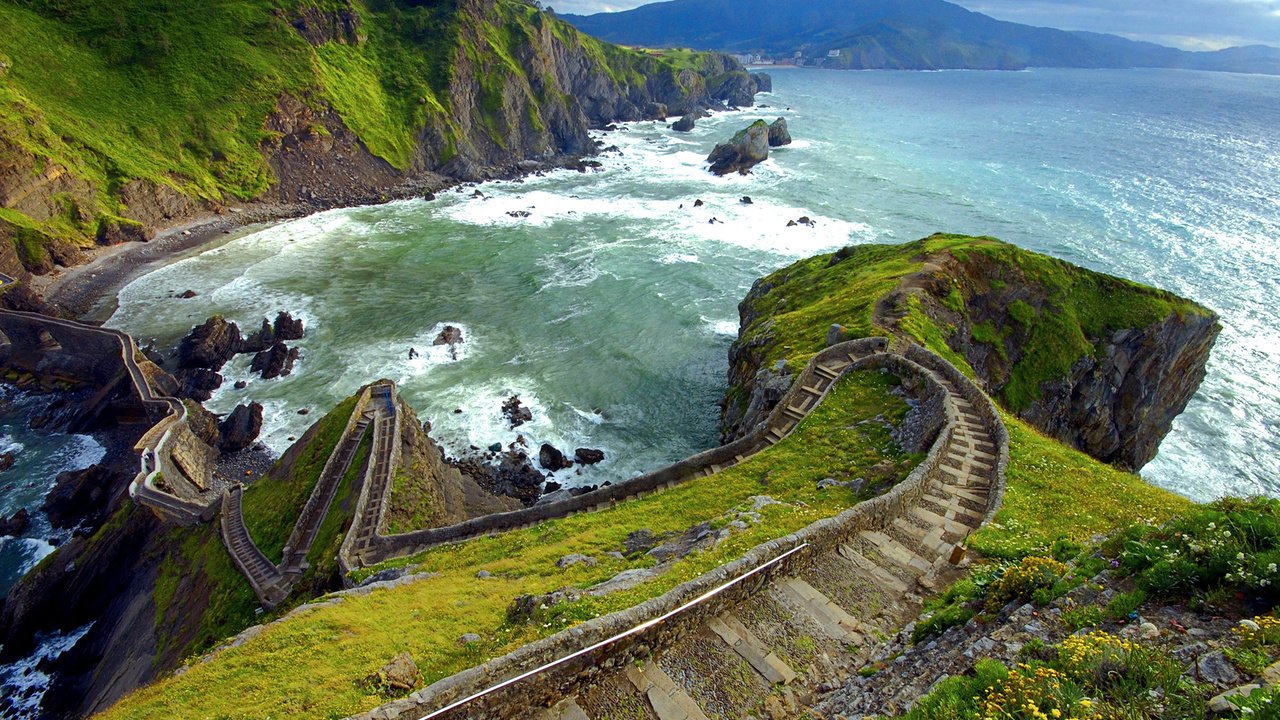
{"points": [[410, 543], [816, 540]]}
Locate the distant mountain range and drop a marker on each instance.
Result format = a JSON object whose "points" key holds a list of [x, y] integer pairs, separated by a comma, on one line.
{"points": [[895, 34]]}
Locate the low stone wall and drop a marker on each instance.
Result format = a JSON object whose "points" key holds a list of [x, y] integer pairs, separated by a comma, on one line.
{"points": [[53, 346], [409, 543], [622, 637]]}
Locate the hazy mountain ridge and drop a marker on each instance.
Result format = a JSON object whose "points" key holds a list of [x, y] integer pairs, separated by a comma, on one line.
{"points": [[909, 35]]}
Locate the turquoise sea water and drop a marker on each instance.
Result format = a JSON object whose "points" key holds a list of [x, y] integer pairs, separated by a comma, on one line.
{"points": [[611, 306]]}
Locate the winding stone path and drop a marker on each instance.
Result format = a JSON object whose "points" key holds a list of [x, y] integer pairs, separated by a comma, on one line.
{"points": [[857, 578], [272, 583]]}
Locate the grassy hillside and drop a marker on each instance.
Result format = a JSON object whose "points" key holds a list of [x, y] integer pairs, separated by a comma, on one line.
{"points": [[97, 95], [312, 665], [1074, 308]]}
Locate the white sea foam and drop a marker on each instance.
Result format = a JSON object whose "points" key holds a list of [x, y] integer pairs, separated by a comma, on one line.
{"points": [[25, 683]]}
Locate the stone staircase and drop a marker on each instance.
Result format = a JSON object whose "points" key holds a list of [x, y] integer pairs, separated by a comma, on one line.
{"points": [[272, 583], [777, 650]]}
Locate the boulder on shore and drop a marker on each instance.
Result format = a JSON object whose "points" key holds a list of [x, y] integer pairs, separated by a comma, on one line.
{"points": [[210, 345], [240, 428], [745, 150], [778, 133], [588, 456]]}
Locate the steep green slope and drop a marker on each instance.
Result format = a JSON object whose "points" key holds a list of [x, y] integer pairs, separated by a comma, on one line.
{"points": [[117, 117], [1096, 361], [312, 664]]}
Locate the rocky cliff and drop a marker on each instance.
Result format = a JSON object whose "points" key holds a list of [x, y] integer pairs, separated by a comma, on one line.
{"points": [[155, 595], [120, 119], [1097, 362]]}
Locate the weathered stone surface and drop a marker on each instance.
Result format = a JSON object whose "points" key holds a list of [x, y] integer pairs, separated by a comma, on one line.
{"points": [[763, 81], [398, 676], [241, 427], [81, 497], [197, 383], [515, 412], [1214, 668], [575, 559], [748, 148], [1223, 704], [209, 345], [778, 133], [735, 88], [450, 335], [588, 456]]}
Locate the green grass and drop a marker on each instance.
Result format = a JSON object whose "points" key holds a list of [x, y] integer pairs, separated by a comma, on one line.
{"points": [[1055, 492], [272, 504], [311, 665], [177, 93]]}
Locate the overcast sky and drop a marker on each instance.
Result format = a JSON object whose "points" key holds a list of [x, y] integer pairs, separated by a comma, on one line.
{"points": [[1190, 24]]}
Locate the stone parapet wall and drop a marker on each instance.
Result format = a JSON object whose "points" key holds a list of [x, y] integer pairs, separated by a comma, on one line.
{"points": [[603, 645], [409, 543]]}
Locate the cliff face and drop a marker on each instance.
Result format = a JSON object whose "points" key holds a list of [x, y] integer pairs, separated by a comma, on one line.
{"points": [[162, 114], [1097, 362]]}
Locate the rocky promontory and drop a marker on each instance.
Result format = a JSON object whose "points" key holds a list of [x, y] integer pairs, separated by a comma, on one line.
{"points": [[1097, 362]]}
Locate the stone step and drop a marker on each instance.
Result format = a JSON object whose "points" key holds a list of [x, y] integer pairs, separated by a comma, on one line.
{"points": [[832, 618], [953, 510], [957, 530], [932, 540], [668, 700], [744, 642], [879, 575], [896, 552]]}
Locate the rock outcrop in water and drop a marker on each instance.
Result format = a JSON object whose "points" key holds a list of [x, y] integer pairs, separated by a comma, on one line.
{"points": [[748, 147], [778, 133], [1099, 363]]}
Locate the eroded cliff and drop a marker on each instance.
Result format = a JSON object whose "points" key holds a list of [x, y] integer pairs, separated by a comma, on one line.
{"points": [[1100, 363]]}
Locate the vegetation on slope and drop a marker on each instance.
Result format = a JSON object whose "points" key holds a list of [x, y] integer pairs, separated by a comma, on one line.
{"points": [[94, 96], [312, 665]]}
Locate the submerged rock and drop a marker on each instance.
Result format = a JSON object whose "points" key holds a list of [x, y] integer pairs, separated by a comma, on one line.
{"points": [[516, 413], [748, 148], [450, 335], [6, 461]]}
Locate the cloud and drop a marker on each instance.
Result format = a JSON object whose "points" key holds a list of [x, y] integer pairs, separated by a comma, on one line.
{"points": [[1189, 24]]}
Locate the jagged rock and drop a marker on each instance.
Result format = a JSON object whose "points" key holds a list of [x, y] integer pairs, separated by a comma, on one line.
{"points": [[515, 413], [778, 134], [197, 383], [746, 200], [187, 294], [240, 385], [261, 339], [763, 81], [209, 345], [697, 538], [275, 361], [514, 476], [588, 456], [15, 524], [241, 427], [698, 203], [287, 328], [398, 676], [450, 335], [81, 497], [552, 459], [575, 559], [684, 124], [385, 576], [745, 150], [6, 461], [735, 88], [639, 541], [1214, 668], [655, 111]]}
